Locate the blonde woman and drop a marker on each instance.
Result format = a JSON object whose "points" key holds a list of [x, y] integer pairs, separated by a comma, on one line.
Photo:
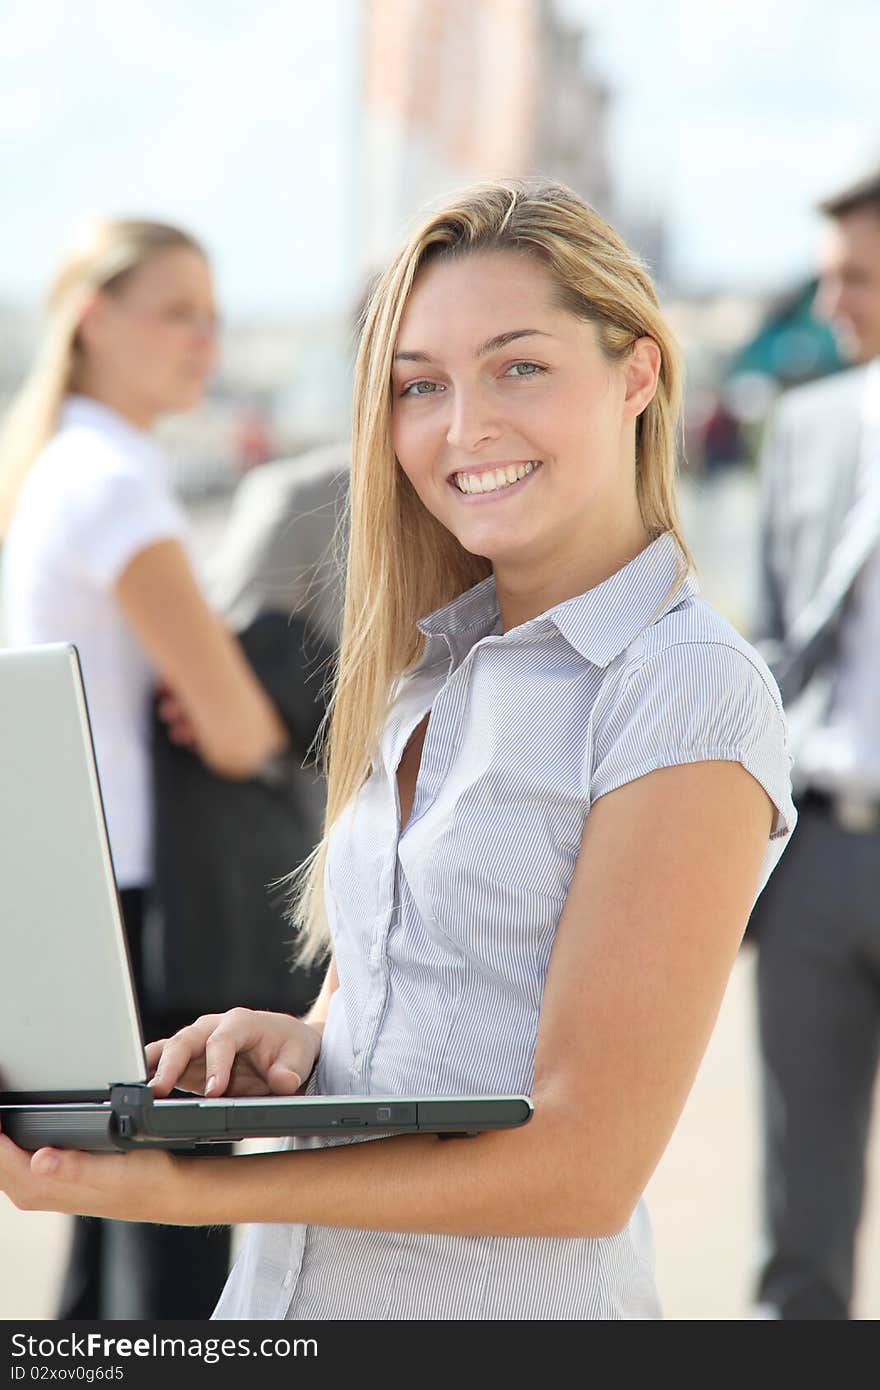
{"points": [[557, 782], [94, 552]]}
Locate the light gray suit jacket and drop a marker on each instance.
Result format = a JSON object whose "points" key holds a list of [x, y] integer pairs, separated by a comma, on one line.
{"points": [[813, 541], [283, 551]]}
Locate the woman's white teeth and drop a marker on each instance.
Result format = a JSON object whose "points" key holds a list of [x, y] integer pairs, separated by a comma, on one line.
{"points": [[494, 478]]}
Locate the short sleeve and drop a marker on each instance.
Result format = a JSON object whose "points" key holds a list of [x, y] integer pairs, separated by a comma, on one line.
{"points": [[696, 702], [116, 514]]}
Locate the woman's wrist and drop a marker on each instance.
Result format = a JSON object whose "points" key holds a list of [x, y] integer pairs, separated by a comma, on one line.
{"points": [[316, 1027]]}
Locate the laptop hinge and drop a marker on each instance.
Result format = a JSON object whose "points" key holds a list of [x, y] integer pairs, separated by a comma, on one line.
{"points": [[129, 1104]]}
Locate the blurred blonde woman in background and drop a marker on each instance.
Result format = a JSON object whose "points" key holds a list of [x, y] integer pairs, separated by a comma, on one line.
{"points": [[557, 782], [95, 553]]}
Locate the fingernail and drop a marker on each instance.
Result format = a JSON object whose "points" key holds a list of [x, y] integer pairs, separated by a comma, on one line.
{"points": [[210, 1084], [46, 1162]]}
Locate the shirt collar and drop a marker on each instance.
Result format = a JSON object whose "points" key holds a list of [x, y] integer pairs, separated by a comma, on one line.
{"points": [[599, 624], [85, 410], [871, 398]]}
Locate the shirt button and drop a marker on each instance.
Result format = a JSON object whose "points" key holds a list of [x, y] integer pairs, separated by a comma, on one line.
{"points": [[288, 1279], [375, 953]]}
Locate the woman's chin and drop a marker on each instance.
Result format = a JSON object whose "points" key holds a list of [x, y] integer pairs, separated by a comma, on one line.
{"points": [[187, 398], [497, 550]]}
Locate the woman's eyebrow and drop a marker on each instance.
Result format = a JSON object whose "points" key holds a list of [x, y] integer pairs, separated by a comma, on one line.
{"points": [[491, 344], [502, 339]]}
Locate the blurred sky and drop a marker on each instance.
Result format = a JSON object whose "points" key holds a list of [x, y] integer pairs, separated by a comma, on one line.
{"points": [[238, 119]]}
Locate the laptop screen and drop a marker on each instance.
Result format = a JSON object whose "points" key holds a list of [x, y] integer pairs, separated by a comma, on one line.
{"points": [[68, 1017]]}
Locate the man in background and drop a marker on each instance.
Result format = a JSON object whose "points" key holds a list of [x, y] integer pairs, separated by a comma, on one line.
{"points": [[817, 925], [282, 548], [218, 931]]}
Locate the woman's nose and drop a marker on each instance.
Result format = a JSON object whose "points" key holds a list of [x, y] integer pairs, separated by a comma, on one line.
{"points": [[472, 421], [205, 329]]}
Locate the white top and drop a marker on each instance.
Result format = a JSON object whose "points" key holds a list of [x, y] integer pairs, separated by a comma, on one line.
{"points": [[442, 935], [842, 755], [96, 495]]}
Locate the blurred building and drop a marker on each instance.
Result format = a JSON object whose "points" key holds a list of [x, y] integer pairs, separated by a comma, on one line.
{"points": [[459, 90], [572, 102]]}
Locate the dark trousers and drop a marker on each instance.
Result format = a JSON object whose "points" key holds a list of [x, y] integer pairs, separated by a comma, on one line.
{"points": [[125, 1269], [817, 931]]}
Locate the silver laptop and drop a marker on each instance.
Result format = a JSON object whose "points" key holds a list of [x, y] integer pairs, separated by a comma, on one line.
{"points": [[72, 1067]]}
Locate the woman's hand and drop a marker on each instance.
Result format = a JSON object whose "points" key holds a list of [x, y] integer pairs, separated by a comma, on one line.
{"points": [[132, 1187], [174, 715], [240, 1053]]}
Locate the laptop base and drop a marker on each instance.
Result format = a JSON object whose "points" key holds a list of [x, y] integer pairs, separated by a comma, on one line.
{"points": [[132, 1118]]}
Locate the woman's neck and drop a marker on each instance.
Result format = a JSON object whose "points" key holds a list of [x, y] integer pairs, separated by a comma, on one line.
{"points": [[525, 591], [115, 399]]}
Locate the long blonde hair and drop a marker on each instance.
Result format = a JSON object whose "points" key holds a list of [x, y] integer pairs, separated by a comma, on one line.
{"points": [[402, 563], [107, 254]]}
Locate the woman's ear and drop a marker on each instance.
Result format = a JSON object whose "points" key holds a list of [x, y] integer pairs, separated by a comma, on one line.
{"points": [[642, 374], [91, 320]]}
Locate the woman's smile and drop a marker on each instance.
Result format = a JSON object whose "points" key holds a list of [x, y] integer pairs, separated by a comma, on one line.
{"points": [[493, 481]]}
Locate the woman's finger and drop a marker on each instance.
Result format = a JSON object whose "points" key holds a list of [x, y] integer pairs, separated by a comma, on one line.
{"points": [[171, 1065], [153, 1053], [294, 1061], [179, 1053], [237, 1032], [220, 1056], [14, 1166], [182, 733], [43, 1181], [283, 1079]]}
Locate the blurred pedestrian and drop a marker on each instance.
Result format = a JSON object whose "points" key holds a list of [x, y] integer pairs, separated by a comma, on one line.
{"points": [[223, 847], [557, 781], [723, 446], [817, 927], [96, 554], [283, 546], [251, 436]]}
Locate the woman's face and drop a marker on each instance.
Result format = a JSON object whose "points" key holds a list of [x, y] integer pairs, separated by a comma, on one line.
{"points": [[151, 346], [512, 426]]}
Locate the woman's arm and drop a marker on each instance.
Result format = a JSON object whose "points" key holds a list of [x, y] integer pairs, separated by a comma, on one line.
{"points": [[235, 724], [317, 1015], [665, 878]]}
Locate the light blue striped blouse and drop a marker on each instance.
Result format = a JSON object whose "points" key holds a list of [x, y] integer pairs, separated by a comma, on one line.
{"points": [[442, 935]]}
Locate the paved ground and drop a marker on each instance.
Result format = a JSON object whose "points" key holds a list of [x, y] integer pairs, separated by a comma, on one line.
{"points": [[702, 1197]]}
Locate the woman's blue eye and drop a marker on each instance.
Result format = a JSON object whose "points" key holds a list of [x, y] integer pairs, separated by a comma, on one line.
{"points": [[525, 369], [415, 388]]}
